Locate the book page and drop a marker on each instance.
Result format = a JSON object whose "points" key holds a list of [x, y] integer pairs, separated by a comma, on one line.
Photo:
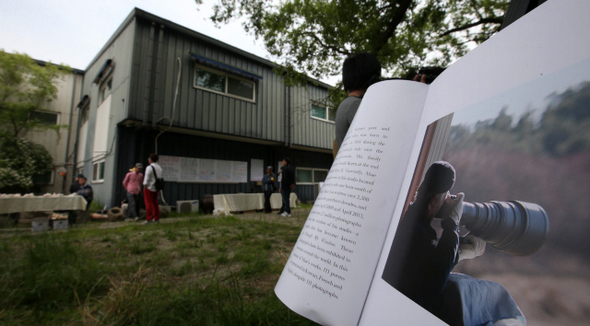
{"points": [[536, 67], [328, 274]]}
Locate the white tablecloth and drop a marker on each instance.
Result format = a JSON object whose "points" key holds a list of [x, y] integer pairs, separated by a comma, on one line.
{"points": [[41, 204], [248, 202]]}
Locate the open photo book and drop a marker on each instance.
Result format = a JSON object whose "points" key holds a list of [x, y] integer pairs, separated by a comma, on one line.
{"points": [[512, 118]]}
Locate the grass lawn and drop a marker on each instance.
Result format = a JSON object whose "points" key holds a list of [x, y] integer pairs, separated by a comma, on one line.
{"points": [[187, 270]]}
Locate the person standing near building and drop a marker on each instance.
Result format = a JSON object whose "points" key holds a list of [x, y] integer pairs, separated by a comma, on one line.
{"points": [[268, 186], [287, 185], [150, 193], [132, 183], [75, 184], [85, 190], [359, 71]]}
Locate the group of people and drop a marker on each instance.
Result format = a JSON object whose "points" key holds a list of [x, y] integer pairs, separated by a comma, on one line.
{"points": [[136, 183], [286, 180]]}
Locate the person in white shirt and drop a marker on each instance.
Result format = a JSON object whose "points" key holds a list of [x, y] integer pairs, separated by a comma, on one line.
{"points": [[150, 193]]}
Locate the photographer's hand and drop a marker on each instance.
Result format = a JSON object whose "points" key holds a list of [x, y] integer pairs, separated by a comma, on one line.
{"points": [[474, 248], [455, 207]]}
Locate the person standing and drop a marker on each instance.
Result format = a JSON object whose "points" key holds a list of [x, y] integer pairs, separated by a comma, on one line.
{"points": [[287, 185], [132, 183], [85, 190], [268, 186], [359, 71], [150, 193]]}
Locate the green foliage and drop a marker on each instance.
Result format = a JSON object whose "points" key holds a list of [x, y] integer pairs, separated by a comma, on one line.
{"points": [[20, 162], [314, 36], [46, 273], [162, 275], [25, 87]]}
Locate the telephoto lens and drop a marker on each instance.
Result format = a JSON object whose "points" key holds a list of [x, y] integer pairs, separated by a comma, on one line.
{"points": [[515, 227]]}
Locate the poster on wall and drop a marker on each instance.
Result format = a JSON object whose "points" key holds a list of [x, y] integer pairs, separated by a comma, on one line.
{"points": [[256, 170], [189, 169]]}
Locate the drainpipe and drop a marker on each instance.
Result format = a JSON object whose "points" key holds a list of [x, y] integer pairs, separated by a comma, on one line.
{"points": [[72, 105], [76, 143]]}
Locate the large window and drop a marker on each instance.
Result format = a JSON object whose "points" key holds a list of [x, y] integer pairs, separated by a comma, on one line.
{"points": [[322, 112], [310, 176], [98, 171], [224, 83]]}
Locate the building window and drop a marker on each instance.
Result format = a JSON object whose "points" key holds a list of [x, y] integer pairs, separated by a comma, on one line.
{"points": [[44, 117], [322, 112], [310, 176], [105, 90], [83, 116], [44, 178], [223, 83], [98, 171]]}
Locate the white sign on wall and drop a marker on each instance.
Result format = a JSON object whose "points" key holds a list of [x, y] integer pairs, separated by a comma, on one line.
{"points": [[189, 169]]}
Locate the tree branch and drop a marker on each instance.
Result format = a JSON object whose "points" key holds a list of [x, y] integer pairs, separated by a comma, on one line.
{"points": [[398, 17], [324, 45], [491, 20]]}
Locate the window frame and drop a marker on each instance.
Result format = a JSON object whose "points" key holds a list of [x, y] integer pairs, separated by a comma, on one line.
{"points": [[96, 171], [226, 83], [313, 181], [326, 107]]}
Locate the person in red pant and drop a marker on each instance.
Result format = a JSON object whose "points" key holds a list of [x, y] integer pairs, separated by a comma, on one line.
{"points": [[150, 193]]}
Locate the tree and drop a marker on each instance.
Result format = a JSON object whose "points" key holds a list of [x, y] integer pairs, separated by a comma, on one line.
{"points": [[314, 36], [25, 89]]}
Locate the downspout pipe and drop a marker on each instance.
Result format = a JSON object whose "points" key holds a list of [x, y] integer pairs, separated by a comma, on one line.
{"points": [[72, 106]]}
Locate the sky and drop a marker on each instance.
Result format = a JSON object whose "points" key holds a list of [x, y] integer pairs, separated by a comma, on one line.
{"points": [[73, 31]]}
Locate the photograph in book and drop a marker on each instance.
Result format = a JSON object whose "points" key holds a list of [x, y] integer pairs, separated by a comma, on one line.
{"points": [[495, 224]]}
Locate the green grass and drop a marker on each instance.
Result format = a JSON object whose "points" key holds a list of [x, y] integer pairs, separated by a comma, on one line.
{"points": [[190, 270]]}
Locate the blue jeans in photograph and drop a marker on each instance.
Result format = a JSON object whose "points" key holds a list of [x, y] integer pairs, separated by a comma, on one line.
{"points": [[286, 193]]}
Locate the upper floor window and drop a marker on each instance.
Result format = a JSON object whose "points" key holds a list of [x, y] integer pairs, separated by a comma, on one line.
{"points": [[322, 112], [84, 106], [223, 83], [105, 89], [49, 118]]}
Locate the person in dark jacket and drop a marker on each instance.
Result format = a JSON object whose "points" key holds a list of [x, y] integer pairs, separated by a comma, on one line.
{"points": [[75, 184], [287, 185], [268, 186], [85, 190], [417, 267]]}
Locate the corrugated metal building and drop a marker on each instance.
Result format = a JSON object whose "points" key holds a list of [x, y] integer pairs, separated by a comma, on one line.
{"points": [[210, 100]]}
